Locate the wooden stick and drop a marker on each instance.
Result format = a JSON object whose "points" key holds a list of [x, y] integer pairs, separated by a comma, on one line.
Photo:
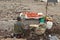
{"points": [[46, 8]]}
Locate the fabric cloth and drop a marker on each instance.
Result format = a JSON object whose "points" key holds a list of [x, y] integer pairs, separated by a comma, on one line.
{"points": [[41, 20]]}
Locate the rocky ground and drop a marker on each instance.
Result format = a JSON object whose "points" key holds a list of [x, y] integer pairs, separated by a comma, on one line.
{"points": [[9, 10], [13, 39]]}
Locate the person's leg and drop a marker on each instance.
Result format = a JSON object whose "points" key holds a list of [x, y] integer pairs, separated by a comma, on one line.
{"points": [[15, 35], [18, 35]]}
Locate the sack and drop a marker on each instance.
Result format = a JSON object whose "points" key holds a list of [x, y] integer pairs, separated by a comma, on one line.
{"points": [[40, 30], [49, 18]]}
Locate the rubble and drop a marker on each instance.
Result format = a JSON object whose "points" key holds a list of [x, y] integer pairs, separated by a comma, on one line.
{"points": [[8, 12]]}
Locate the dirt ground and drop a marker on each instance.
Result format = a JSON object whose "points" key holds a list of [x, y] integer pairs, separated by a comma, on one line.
{"points": [[13, 39], [35, 7]]}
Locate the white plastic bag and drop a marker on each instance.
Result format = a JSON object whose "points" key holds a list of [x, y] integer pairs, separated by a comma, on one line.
{"points": [[49, 25]]}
